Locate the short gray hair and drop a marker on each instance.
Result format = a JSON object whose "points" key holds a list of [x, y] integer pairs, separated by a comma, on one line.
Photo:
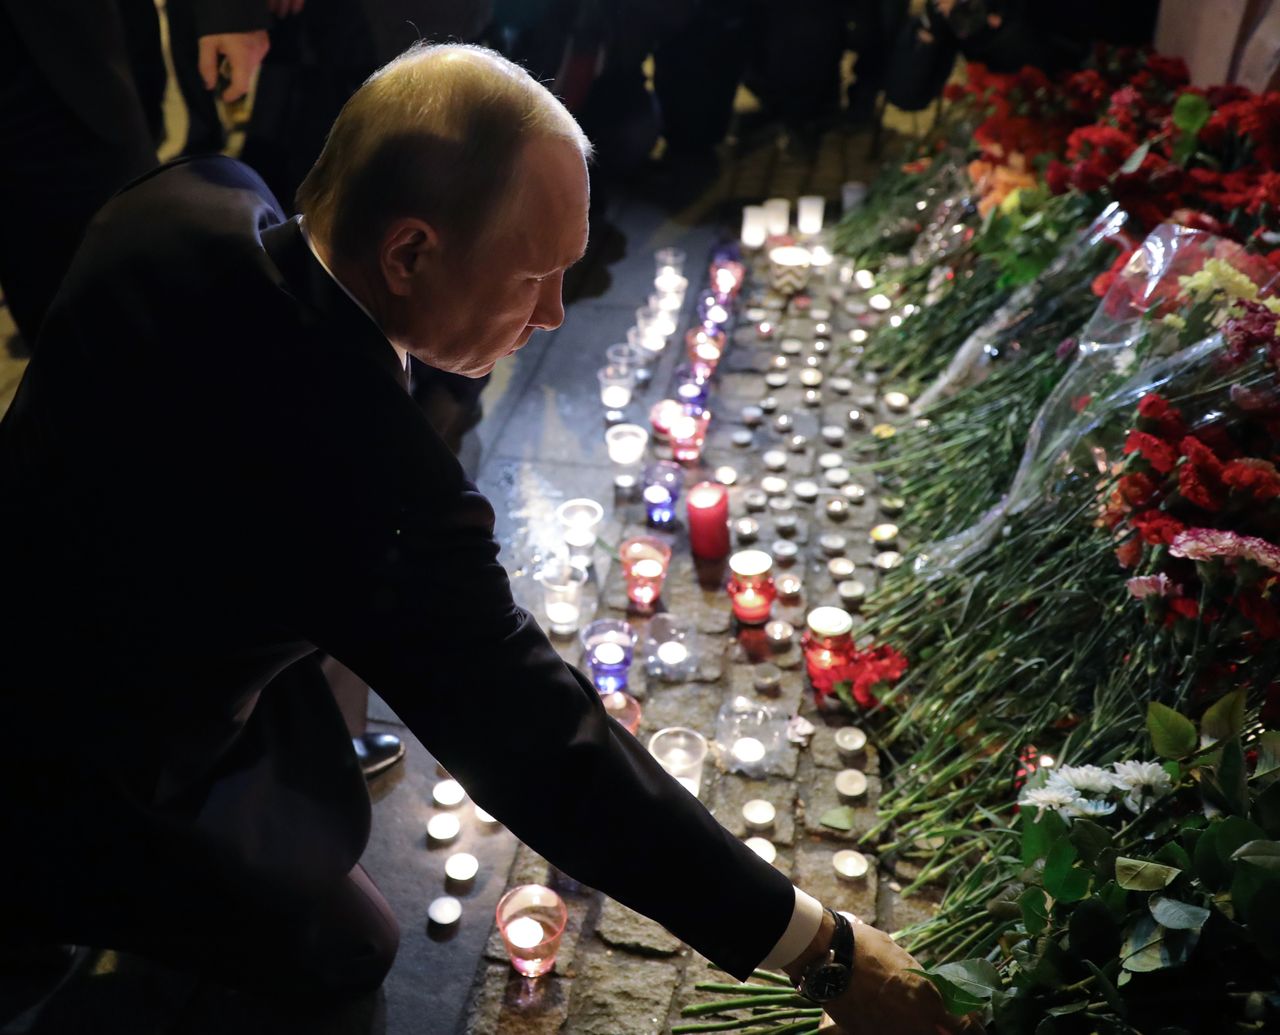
{"points": [[434, 134]]}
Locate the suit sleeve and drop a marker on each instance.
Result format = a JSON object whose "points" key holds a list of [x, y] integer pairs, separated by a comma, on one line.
{"points": [[423, 611], [212, 17]]}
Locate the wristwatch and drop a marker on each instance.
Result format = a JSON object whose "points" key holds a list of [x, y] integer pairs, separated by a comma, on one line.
{"points": [[826, 978]]}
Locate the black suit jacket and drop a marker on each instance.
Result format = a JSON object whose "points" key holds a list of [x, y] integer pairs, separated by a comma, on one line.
{"points": [[216, 468]]}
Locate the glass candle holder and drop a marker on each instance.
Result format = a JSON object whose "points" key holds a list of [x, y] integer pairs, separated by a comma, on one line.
{"points": [[608, 645], [809, 214], [616, 384], [751, 586], [664, 314], [669, 288], [827, 641], [755, 227], [626, 356], [651, 343], [661, 415], [644, 566], [668, 259], [668, 648], [531, 920], [727, 278], [579, 519], [704, 349], [777, 216], [652, 321], [692, 387], [708, 510], [662, 483], [681, 752], [562, 584], [625, 709], [626, 444], [687, 434], [713, 313]]}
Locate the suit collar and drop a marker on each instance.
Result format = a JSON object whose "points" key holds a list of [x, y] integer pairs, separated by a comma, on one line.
{"points": [[312, 285]]}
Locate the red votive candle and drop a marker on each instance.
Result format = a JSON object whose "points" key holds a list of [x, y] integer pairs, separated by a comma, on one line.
{"points": [[708, 509], [828, 641], [661, 414], [687, 433], [751, 587], [644, 567]]}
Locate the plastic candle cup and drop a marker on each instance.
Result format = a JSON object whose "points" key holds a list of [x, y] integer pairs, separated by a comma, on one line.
{"points": [[688, 432], [608, 645], [708, 510], [630, 356], [828, 641], [664, 314], [692, 389], [755, 227], [578, 521], [669, 287], [531, 920], [644, 562], [662, 482], [809, 215], [650, 342], [651, 323], [562, 584], [669, 259], [624, 708], [626, 443], [668, 648], [616, 384], [704, 351], [751, 586], [680, 752]]}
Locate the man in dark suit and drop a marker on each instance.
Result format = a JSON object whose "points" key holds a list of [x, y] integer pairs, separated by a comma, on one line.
{"points": [[214, 469]]}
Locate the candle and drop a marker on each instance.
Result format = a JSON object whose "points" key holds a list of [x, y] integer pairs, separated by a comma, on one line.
{"points": [[784, 551], [762, 848], [758, 814], [789, 268], [791, 346], [461, 867], [663, 480], [884, 536], [673, 653], [851, 784], [624, 708], [789, 586], [742, 438], [892, 506], [850, 865], [662, 413], [810, 378], [692, 389], [777, 214], [837, 508], [853, 492], [688, 432], [809, 214], [812, 397], [669, 259], [841, 385], [484, 817], [836, 475], [531, 920], [755, 500], [615, 397], [562, 584], [751, 587], [448, 794], [879, 302], [767, 679], [443, 828], [608, 644], [832, 544], [805, 491], [626, 443], [563, 617], [828, 641], [775, 459], [852, 593], [708, 513], [726, 475], [840, 568], [755, 226], [748, 750], [644, 566], [886, 560], [768, 404], [445, 911], [578, 519], [752, 416], [776, 378], [773, 485], [797, 443], [747, 530], [681, 752]]}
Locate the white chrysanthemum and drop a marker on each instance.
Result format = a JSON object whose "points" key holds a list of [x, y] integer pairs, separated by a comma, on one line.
{"points": [[1143, 782], [1057, 797], [1090, 779], [1090, 808]]}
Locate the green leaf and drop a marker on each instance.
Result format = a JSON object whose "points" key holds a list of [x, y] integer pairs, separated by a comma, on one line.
{"points": [[1176, 915], [1092, 932], [1142, 875], [965, 986], [1172, 735], [840, 818], [1144, 949], [1233, 777], [1212, 855], [1268, 754], [1115, 898], [1266, 809], [1190, 113], [1173, 854], [1224, 719], [1089, 838], [1035, 910], [1062, 878], [1107, 988], [1040, 834], [1134, 162], [1263, 854]]}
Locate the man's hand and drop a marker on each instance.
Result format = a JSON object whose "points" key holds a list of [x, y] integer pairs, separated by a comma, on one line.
{"points": [[243, 52], [883, 996]]}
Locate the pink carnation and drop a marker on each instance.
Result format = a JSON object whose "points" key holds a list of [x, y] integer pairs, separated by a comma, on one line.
{"points": [[1204, 544], [1153, 586]]}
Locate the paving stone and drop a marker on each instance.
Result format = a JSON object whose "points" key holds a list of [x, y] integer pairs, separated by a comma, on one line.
{"points": [[734, 791], [620, 994], [624, 928], [505, 1002], [917, 908], [790, 692], [693, 705], [825, 755], [814, 873], [820, 795]]}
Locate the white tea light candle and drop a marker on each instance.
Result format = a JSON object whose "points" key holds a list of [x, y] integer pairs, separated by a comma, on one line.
{"points": [[443, 828], [461, 867], [448, 794], [758, 814], [762, 848], [851, 784], [445, 911], [850, 865], [748, 750]]}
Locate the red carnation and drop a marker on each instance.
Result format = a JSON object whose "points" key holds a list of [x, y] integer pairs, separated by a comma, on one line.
{"points": [[1163, 420], [1200, 478], [1129, 553], [1157, 527], [1057, 177], [1181, 607], [1259, 610], [1137, 489], [1258, 478], [1159, 454]]}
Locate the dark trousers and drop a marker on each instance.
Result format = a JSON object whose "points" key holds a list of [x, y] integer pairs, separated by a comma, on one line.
{"points": [[55, 173]]}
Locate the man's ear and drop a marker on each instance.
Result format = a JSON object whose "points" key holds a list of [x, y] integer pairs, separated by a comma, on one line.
{"points": [[406, 246]]}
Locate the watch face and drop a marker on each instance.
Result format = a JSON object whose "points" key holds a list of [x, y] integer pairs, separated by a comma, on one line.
{"points": [[825, 982]]}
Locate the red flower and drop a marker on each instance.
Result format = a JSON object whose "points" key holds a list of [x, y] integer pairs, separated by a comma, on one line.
{"points": [[1172, 71], [1103, 282], [1259, 610], [1129, 553], [1258, 478], [1181, 607], [1253, 326], [1162, 420], [1137, 489], [1057, 177], [1200, 478], [1159, 454], [866, 671], [1157, 527]]}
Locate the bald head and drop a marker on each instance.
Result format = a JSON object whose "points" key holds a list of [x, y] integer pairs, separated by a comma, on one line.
{"points": [[435, 135]]}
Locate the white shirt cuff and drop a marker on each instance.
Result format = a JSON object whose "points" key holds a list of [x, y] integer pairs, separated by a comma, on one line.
{"points": [[806, 918]]}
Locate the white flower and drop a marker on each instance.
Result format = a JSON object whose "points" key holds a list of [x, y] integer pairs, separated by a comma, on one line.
{"points": [[1144, 781], [1090, 779], [1048, 797], [1091, 808]]}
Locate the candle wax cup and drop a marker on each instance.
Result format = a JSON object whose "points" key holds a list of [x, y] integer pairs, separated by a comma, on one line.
{"points": [[448, 793], [444, 911], [607, 654], [461, 867], [850, 865], [762, 848], [444, 827], [758, 814], [525, 932], [562, 616], [851, 783], [850, 740]]}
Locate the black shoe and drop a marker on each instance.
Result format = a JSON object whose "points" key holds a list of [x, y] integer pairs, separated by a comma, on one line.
{"points": [[377, 752]]}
